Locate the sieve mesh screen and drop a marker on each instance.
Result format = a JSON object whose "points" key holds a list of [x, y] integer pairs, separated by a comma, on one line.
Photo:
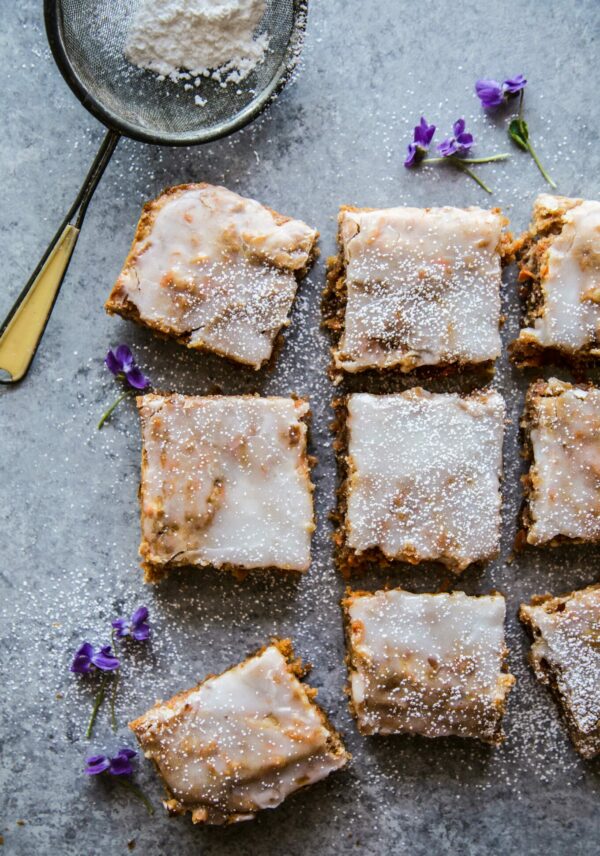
{"points": [[92, 35]]}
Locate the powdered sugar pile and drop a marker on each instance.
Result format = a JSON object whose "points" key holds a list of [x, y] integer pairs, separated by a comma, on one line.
{"points": [[194, 39]]}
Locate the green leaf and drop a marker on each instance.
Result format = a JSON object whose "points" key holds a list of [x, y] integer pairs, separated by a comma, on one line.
{"points": [[519, 133]]}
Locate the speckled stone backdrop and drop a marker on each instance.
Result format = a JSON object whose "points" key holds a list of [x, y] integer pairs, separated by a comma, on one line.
{"points": [[68, 503]]}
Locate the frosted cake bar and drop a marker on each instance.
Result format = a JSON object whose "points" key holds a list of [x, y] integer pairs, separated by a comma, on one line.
{"points": [[428, 664], [416, 287], [422, 478], [565, 656], [225, 482], [562, 439], [214, 270], [241, 741], [560, 275]]}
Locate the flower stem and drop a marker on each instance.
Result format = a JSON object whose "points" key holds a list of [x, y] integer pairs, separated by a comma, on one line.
{"points": [[531, 151], [97, 705], [489, 159], [107, 413], [471, 174], [530, 148], [137, 792]]}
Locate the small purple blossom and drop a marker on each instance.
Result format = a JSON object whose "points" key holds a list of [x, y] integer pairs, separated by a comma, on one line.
{"points": [[96, 764], [120, 765], [459, 144], [137, 626], [422, 136], [423, 133], [121, 363], [491, 93], [87, 660], [513, 85]]}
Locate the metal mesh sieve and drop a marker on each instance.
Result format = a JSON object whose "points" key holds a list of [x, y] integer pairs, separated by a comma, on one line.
{"points": [[88, 37]]}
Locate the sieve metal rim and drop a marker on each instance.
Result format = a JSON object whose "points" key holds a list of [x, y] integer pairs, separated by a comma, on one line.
{"points": [[52, 15]]}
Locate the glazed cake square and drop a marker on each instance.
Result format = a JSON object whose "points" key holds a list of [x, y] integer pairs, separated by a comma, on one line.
{"points": [[215, 271], [422, 478], [565, 656], [240, 741], [562, 440], [428, 664], [559, 260], [225, 482], [416, 287]]}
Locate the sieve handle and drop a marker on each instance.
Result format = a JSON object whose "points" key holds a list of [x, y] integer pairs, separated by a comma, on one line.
{"points": [[22, 329]]}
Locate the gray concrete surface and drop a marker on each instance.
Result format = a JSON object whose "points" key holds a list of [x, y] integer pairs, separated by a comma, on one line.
{"points": [[68, 506]]}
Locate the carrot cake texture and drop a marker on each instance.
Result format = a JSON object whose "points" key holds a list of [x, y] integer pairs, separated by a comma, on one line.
{"points": [[559, 261], [416, 287], [565, 656], [422, 478], [428, 664], [561, 425], [240, 741], [225, 482], [215, 271]]}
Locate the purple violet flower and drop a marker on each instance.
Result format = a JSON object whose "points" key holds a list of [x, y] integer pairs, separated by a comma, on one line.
{"points": [[137, 626], [87, 660], [491, 93], [96, 764], [423, 133], [459, 144], [514, 85], [121, 362], [120, 765], [422, 136]]}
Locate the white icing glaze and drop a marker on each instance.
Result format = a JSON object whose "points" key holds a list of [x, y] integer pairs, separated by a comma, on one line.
{"points": [[428, 664], [424, 475], [570, 315], [241, 741], [217, 268], [565, 474], [423, 287], [568, 642], [225, 482]]}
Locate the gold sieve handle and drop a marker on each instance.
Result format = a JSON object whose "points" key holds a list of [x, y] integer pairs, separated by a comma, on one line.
{"points": [[22, 329], [22, 333]]}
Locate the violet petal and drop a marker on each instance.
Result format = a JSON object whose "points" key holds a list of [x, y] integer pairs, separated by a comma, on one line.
{"points": [[96, 764], [120, 766], [489, 92], [423, 133], [125, 357], [105, 660], [112, 363], [121, 625], [411, 156], [459, 127], [136, 378], [514, 84], [82, 661], [447, 147], [141, 633], [139, 616]]}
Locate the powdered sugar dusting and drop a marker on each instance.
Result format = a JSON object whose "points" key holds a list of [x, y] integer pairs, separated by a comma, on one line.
{"points": [[424, 476], [191, 39], [566, 655]]}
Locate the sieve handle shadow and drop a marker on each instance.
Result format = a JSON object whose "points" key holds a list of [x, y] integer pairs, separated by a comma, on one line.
{"points": [[23, 328]]}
